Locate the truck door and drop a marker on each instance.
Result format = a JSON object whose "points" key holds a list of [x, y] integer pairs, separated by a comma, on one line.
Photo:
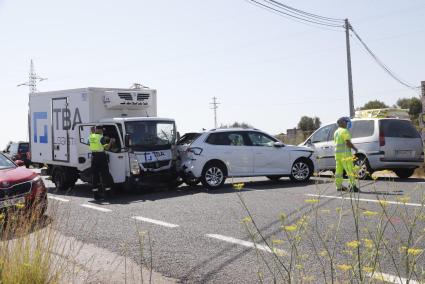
{"points": [[60, 127], [118, 158]]}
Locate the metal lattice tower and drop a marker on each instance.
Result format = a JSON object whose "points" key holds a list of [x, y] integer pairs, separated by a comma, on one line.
{"points": [[215, 107], [33, 78]]}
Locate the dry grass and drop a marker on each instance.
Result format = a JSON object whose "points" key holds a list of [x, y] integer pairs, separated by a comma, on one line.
{"points": [[25, 248]]}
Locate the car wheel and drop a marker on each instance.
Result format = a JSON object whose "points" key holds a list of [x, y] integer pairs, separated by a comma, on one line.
{"points": [[365, 172], [404, 173], [274, 178], [59, 179], [300, 171], [213, 175]]}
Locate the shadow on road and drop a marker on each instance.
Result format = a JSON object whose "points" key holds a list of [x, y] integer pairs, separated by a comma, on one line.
{"points": [[152, 194]]}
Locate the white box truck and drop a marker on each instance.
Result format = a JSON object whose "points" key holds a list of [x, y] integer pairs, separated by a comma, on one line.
{"points": [[60, 125]]}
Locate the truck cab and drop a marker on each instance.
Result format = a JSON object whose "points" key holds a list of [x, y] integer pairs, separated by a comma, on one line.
{"points": [[143, 152]]}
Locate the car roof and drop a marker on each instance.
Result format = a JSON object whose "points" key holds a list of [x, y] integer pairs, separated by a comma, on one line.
{"points": [[231, 129]]}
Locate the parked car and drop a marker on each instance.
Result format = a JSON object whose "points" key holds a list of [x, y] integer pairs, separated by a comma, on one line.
{"points": [[383, 144], [220, 153], [20, 151], [19, 185]]}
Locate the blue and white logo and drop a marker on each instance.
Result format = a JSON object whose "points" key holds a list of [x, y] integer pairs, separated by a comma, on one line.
{"points": [[41, 138]]}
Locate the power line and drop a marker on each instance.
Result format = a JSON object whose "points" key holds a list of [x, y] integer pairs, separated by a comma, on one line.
{"points": [[293, 15], [382, 64], [301, 12]]}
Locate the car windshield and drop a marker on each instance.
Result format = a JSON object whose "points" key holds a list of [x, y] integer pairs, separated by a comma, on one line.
{"points": [[188, 138], [151, 133], [5, 163]]}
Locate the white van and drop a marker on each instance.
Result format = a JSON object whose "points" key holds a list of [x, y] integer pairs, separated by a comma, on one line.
{"points": [[383, 143]]}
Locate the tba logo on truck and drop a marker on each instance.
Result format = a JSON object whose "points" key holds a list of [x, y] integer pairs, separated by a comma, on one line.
{"points": [[42, 138]]}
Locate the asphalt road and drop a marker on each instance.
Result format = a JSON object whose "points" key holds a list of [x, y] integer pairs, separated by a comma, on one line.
{"points": [[198, 236]]}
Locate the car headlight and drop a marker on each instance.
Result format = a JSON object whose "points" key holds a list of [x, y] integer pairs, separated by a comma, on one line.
{"points": [[37, 187], [134, 167], [195, 150]]}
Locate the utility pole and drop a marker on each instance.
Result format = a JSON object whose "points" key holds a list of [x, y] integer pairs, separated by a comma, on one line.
{"points": [[350, 77], [33, 78], [215, 106]]}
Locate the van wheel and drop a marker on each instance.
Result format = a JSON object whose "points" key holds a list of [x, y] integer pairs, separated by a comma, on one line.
{"points": [[274, 178], [365, 172], [59, 179], [213, 175], [301, 170], [404, 173]]}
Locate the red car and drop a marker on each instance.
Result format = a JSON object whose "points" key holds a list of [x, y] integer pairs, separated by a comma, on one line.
{"points": [[21, 188]]}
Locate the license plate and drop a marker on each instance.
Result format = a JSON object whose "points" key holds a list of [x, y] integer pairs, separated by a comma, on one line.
{"points": [[155, 156], [12, 202], [403, 153]]}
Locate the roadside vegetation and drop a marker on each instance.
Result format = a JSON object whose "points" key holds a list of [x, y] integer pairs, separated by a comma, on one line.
{"points": [[26, 247], [312, 247]]}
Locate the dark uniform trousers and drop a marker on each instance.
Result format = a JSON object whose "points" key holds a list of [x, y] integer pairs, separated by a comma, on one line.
{"points": [[100, 168]]}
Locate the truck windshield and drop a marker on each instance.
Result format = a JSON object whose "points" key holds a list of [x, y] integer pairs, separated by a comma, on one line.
{"points": [[151, 134]]}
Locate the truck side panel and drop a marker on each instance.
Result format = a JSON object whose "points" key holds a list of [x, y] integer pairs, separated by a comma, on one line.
{"points": [[54, 122]]}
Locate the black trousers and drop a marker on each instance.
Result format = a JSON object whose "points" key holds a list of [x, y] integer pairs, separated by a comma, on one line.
{"points": [[100, 168]]}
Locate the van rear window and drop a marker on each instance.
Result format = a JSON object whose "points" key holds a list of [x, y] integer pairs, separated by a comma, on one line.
{"points": [[362, 128], [398, 128]]}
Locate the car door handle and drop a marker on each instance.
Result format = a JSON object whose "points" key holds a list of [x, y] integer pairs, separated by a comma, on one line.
{"points": [[325, 147]]}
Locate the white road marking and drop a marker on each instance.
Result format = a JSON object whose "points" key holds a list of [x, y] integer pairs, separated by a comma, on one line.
{"points": [[245, 243], [50, 196], [96, 208], [366, 200], [157, 222], [390, 278]]}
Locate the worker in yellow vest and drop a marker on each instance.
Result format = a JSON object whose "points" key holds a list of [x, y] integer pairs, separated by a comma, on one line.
{"points": [[344, 158], [99, 163]]}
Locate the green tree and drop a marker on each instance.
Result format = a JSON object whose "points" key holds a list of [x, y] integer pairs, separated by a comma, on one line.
{"points": [[307, 123], [237, 125], [374, 105], [414, 105]]}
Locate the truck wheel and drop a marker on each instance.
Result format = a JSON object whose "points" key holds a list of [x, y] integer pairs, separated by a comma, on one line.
{"points": [[213, 175], [59, 179], [301, 170], [404, 173]]}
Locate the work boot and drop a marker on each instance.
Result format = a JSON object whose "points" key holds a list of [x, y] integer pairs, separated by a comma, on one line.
{"points": [[96, 194]]}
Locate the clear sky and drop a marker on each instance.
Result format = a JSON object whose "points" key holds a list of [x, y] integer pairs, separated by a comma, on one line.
{"points": [[264, 69]]}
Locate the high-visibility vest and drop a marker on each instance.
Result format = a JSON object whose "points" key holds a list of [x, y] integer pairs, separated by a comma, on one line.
{"points": [[95, 143], [341, 135]]}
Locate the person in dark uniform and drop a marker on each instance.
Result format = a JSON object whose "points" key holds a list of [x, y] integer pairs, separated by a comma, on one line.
{"points": [[99, 163]]}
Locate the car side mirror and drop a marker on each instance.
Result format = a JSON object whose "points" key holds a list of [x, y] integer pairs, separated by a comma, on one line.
{"points": [[127, 139], [178, 136], [19, 163], [308, 142], [278, 144]]}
